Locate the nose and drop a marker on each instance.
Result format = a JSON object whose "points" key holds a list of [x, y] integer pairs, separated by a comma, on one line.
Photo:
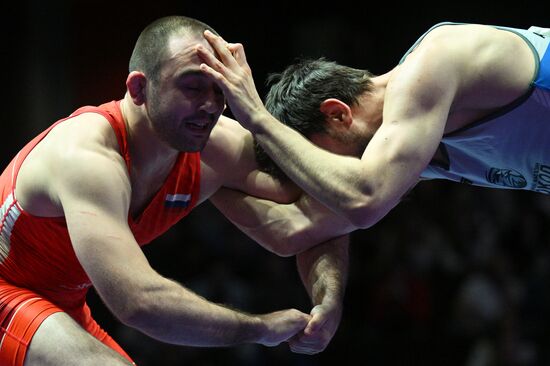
{"points": [[213, 102]]}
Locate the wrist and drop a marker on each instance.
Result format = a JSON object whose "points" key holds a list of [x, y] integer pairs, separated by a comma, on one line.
{"points": [[327, 293], [260, 121], [253, 329], [330, 302]]}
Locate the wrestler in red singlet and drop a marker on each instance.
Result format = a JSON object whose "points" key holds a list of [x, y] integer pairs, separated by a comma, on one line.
{"points": [[39, 271]]}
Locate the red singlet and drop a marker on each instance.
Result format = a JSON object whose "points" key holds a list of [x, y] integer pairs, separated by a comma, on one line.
{"points": [[41, 274]]}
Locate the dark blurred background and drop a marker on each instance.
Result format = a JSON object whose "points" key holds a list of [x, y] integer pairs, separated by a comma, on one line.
{"points": [[455, 275]]}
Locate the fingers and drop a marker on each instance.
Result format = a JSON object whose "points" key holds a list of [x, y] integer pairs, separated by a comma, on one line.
{"points": [[316, 323], [209, 58], [212, 67], [215, 75], [217, 69], [316, 335], [309, 345], [230, 53], [237, 50], [221, 48], [312, 339]]}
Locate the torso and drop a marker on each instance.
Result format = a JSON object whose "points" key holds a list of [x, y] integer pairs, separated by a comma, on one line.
{"points": [[226, 161], [146, 183], [475, 50], [497, 131], [34, 230]]}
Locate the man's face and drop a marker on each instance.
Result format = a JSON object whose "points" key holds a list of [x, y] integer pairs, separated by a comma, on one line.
{"points": [[347, 128], [184, 105], [349, 142]]}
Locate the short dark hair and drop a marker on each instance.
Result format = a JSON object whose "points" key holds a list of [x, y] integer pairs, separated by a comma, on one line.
{"points": [[296, 94], [151, 44]]}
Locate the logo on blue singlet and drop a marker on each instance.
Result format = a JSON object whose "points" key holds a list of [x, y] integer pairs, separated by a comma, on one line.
{"points": [[506, 177], [177, 200], [541, 178]]}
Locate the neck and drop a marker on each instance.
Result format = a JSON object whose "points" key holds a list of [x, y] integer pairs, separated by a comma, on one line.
{"points": [[373, 102], [147, 151]]}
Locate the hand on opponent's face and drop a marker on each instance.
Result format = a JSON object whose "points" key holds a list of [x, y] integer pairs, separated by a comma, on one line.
{"points": [[231, 72]]}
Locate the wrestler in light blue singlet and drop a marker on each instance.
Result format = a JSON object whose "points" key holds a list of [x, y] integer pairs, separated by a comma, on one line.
{"points": [[511, 147]]}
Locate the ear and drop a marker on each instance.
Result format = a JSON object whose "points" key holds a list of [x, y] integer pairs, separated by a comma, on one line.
{"points": [[336, 112], [135, 83]]}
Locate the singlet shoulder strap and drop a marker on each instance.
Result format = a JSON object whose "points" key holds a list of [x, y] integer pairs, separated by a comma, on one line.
{"points": [[111, 111]]}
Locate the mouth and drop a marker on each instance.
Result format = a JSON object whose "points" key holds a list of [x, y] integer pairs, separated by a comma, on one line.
{"points": [[198, 126], [202, 122]]}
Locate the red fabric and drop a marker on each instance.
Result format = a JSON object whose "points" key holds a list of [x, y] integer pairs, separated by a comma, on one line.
{"points": [[41, 257], [21, 313]]}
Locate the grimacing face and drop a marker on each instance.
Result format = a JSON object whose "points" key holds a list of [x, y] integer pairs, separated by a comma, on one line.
{"points": [[185, 104]]}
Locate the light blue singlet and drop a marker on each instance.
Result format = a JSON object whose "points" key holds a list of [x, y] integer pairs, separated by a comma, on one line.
{"points": [[511, 147]]}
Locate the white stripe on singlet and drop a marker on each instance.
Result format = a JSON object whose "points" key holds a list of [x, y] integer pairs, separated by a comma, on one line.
{"points": [[13, 317]]}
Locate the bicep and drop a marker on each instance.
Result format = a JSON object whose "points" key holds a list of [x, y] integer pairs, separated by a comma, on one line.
{"points": [[402, 151], [248, 178], [230, 161], [416, 107], [95, 199], [260, 184]]}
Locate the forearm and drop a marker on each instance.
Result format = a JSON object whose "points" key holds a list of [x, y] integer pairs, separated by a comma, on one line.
{"points": [[284, 229], [264, 221], [324, 269], [170, 313], [361, 190], [316, 171]]}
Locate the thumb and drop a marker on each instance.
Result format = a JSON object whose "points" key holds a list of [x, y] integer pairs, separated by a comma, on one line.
{"points": [[317, 321]]}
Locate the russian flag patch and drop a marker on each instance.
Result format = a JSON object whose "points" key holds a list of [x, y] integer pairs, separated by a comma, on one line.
{"points": [[177, 200]]}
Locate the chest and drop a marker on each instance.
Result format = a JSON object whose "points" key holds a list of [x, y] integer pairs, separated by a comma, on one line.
{"points": [[159, 201], [146, 184], [166, 192]]}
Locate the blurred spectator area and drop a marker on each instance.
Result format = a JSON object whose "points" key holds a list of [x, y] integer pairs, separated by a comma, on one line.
{"points": [[455, 275]]}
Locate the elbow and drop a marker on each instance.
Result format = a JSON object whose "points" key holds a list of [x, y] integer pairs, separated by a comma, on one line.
{"points": [[132, 313], [136, 308], [286, 251], [360, 212], [359, 218], [283, 240], [282, 248], [133, 298], [285, 246]]}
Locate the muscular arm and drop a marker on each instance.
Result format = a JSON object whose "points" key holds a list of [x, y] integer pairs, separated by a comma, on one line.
{"points": [[323, 270], [362, 190], [94, 190], [304, 228], [284, 229], [276, 214], [297, 226], [228, 160]]}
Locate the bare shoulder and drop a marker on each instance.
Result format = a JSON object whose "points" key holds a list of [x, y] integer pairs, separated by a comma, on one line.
{"points": [[227, 138], [77, 152], [229, 147], [471, 34], [226, 157], [483, 53], [229, 160], [488, 67], [470, 45]]}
